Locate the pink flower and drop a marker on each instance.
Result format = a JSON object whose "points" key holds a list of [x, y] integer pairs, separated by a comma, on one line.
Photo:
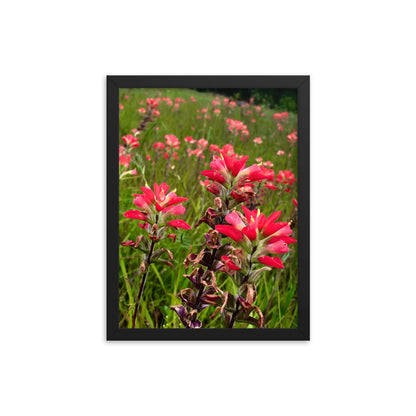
{"points": [[229, 263], [237, 126], [230, 169], [130, 140], [292, 137], [158, 145], [156, 205], [121, 106], [286, 177], [262, 234], [179, 224], [258, 140], [131, 172], [141, 110], [281, 116], [172, 140], [214, 148], [152, 103], [280, 152]]}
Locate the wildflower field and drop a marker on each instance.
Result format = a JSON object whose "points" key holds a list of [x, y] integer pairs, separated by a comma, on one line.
{"points": [[207, 211]]}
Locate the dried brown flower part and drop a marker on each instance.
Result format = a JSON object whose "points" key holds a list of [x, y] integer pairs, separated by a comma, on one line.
{"points": [[212, 239]]}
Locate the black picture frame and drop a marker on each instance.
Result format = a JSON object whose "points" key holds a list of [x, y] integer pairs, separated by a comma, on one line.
{"points": [[302, 84]]}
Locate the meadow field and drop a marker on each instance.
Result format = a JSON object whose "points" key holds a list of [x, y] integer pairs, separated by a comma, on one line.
{"points": [[241, 265]]}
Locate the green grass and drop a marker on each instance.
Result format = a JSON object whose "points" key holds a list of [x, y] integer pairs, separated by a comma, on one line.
{"points": [[277, 289]]}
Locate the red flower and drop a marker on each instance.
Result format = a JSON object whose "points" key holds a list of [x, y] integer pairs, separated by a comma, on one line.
{"points": [[159, 145], [281, 116], [156, 205], [125, 160], [229, 263], [259, 233], [130, 140], [286, 177], [292, 137], [172, 140], [152, 103], [179, 224]]}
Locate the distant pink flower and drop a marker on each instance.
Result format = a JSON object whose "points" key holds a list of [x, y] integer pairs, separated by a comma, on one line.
{"points": [[130, 140], [121, 106], [172, 140], [281, 116], [159, 145], [237, 126], [148, 157], [126, 97], [124, 160], [202, 143], [286, 177], [131, 172], [253, 120], [141, 110], [152, 103], [279, 127], [268, 164], [217, 111], [280, 152], [189, 139], [258, 140], [292, 137]]}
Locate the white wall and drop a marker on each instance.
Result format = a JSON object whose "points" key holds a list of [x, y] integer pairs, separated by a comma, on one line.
{"points": [[54, 359]]}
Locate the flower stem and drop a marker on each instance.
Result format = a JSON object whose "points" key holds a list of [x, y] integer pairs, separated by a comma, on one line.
{"points": [[143, 282], [237, 308]]}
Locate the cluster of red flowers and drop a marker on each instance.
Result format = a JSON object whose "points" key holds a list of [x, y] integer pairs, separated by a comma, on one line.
{"points": [[237, 127], [199, 151], [131, 140], [172, 141], [281, 116], [292, 137], [156, 206], [123, 157], [232, 174], [259, 235], [286, 177]]}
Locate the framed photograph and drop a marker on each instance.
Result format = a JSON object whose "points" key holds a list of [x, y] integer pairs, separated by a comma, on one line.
{"points": [[208, 207]]}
